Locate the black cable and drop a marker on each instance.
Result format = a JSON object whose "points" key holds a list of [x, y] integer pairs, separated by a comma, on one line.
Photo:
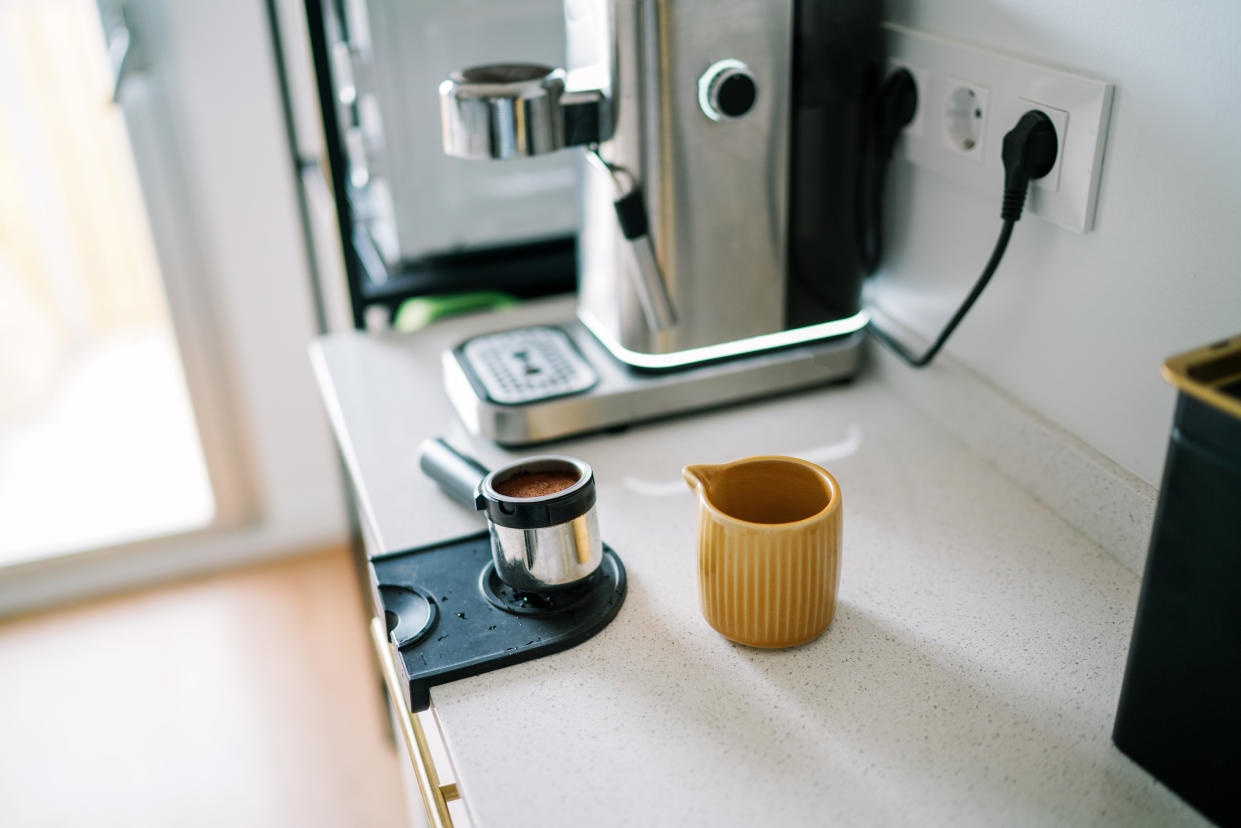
{"points": [[1029, 152], [1001, 244]]}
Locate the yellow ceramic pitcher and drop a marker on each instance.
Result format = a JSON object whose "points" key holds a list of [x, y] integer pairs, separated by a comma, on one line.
{"points": [[769, 531]]}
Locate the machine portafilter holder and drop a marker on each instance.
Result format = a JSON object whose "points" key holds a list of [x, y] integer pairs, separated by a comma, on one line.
{"points": [[514, 110], [538, 544]]}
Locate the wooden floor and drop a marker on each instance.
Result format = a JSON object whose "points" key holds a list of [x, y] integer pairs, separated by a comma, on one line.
{"points": [[244, 699]]}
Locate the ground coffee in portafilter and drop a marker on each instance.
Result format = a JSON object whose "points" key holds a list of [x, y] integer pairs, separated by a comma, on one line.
{"points": [[536, 484]]}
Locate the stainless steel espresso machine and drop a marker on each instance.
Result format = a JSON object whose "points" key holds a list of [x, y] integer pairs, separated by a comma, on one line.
{"points": [[718, 141]]}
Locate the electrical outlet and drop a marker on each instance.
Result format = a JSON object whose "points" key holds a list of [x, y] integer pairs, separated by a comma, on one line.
{"points": [[969, 97], [965, 119]]}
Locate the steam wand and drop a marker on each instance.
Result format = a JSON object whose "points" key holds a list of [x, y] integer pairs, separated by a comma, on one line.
{"points": [[650, 286]]}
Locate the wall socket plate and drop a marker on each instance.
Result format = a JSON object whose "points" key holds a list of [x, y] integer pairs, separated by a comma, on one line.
{"points": [[963, 144]]}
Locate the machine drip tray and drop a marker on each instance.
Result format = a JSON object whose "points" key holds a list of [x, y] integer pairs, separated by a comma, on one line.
{"points": [[451, 617], [529, 385]]}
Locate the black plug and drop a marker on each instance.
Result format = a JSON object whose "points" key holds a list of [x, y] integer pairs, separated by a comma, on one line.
{"points": [[1029, 152], [896, 106]]}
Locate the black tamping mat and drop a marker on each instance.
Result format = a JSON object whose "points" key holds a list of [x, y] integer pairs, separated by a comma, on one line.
{"points": [[451, 617]]}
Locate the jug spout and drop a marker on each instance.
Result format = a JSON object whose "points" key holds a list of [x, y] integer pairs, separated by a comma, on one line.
{"points": [[699, 476]]}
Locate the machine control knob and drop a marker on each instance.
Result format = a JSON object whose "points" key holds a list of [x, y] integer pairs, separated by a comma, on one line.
{"points": [[727, 90]]}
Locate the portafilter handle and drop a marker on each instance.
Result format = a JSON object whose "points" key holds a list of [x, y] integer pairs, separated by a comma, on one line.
{"points": [[458, 474]]}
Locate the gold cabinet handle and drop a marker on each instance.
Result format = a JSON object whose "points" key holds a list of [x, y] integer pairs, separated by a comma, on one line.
{"points": [[435, 797]]}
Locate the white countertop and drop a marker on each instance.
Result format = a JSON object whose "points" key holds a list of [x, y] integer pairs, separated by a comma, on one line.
{"points": [[970, 675]]}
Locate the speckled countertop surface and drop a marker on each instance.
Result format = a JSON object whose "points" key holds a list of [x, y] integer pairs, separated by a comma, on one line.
{"points": [[970, 676]]}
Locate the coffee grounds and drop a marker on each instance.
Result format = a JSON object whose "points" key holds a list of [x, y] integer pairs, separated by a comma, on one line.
{"points": [[536, 484]]}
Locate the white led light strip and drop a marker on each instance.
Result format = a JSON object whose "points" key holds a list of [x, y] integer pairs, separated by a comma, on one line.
{"points": [[722, 350]]}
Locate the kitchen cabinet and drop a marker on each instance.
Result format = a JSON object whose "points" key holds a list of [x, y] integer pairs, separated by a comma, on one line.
{"points": [[970, 676]]}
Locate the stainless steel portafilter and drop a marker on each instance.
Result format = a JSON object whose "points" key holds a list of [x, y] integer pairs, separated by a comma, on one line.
{"points": [[540, 511]]}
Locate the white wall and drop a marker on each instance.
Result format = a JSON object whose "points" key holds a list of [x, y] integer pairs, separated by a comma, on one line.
{"points": [[1076, 326]]}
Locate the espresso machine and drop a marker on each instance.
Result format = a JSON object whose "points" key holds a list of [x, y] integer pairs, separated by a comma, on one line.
{"points": [[718, 145]]}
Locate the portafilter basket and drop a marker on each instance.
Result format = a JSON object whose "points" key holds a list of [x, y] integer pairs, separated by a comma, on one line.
{"points": [[540, 543]]}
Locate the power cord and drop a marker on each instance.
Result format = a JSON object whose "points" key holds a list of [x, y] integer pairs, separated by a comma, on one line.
{"points": [[1029, 153]]}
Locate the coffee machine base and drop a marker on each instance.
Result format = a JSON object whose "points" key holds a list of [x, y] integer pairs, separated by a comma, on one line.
{"points": [[532, 385]]}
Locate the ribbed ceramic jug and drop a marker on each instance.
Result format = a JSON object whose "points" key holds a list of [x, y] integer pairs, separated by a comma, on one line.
{"points": [[769, 533]]}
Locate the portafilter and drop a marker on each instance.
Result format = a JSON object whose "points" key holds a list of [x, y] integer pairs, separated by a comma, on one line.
{"points": [[540, 511]]}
